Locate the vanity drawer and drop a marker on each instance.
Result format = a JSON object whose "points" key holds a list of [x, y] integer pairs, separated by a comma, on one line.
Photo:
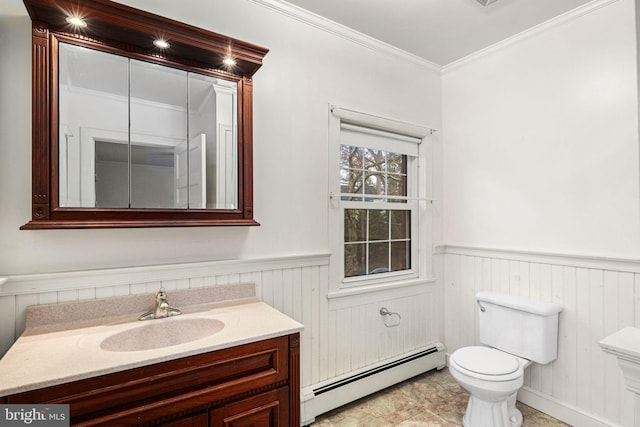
{"points": [[149, 394], [268, 409]]}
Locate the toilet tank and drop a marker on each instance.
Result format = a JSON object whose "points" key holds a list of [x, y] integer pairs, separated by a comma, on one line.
{"points": [[521, 326]]}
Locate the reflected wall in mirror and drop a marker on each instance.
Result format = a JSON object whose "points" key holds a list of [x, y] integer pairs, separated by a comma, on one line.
{"points": [[126, 134], [141, 135]]}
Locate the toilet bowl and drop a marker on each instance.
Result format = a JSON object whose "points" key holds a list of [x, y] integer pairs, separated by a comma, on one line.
{"points": [[492, 378]]}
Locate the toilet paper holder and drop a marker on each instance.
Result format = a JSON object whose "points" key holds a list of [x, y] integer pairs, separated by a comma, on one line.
{"points": [[389, 316]]}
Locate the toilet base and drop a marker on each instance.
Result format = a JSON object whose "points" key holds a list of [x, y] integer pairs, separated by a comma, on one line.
{"points": [[481, 413]]}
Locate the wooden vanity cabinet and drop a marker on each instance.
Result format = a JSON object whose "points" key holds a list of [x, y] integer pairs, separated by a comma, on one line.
{"points": [[256, 384]]}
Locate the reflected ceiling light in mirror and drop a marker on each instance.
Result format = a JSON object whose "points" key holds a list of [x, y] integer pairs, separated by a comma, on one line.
{"points": [[161, 44], [76, 21], [229, 61]]}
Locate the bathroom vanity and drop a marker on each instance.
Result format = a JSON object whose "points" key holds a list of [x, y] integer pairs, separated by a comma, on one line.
{"points": [[245, 372], [251, 384]]}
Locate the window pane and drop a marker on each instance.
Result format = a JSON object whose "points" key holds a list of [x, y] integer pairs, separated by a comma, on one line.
{"points": [[355, 221], [378, 224], [345, 177], [378, 258], [374, 184], [374, 160], [354, 260], [400, 224], [351, 170], [400, 256], [351, 157], [353, 185], [397, 186], [396, 163]]}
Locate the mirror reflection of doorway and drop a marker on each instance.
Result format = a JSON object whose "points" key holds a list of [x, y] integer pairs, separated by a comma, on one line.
{"points": [[159, 173], [152, 169], [190, 184]]}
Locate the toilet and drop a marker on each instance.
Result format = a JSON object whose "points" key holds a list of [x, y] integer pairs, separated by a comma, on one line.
{"points": [[514, 332]]}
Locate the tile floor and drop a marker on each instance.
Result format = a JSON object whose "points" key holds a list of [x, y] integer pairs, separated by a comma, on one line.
{"points": [[433, 399]]}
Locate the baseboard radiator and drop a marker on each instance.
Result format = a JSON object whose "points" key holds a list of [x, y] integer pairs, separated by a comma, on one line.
{"points": [[323, 397]]}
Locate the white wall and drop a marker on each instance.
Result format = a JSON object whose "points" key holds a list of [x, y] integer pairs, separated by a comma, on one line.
{"points": [[541, 186], [541, 148], [305, 70]]}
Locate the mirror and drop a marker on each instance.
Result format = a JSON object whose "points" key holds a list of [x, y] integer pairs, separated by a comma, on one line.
{"points": [[128, 134], [140, 135]]}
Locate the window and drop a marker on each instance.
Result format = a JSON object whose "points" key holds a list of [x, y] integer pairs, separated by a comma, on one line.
{"points": [[376, 188], [377, 239]]}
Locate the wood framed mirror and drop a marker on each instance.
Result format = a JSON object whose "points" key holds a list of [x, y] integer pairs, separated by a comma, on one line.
{"points": [[138, 120]]}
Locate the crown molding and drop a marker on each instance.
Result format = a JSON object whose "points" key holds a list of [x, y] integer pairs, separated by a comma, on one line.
{"points": [[531, 32], [342, 31]]}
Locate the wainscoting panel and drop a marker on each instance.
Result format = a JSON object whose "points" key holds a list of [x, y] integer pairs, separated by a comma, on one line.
{"points": [[354, 353], [360, 337], [341, 334], [584, 385]]}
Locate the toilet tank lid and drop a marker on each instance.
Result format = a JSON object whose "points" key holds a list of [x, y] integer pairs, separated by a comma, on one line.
{"points": [[542, 308]]}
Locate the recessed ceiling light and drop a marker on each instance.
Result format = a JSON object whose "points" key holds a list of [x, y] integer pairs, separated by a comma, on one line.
{"points": [[76, 22], [162, 44], [486, 2]]}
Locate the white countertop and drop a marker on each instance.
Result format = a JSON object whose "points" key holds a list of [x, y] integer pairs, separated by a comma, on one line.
{"points": [[55, 357], [625, 343]]}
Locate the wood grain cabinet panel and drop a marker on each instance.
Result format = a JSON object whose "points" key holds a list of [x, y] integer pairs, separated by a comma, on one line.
{"points": [[190, 390], [270, 409], [197, 420]]}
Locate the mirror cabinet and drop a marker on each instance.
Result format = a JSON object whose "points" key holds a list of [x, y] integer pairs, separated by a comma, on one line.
{"points": [[138, 120]]}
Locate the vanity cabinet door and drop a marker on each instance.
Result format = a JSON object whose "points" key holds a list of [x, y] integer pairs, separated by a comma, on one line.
{"points": [[197, 420], [269, 409]]}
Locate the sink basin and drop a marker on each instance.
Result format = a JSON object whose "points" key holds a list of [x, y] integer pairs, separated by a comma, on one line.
{"points": [[160, 333]]}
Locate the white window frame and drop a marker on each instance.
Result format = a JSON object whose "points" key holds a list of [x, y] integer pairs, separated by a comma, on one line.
{"points": [[419, 186]]}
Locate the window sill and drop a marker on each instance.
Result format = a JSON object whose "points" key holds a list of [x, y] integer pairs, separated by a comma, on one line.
{"points": [[381, 287]]}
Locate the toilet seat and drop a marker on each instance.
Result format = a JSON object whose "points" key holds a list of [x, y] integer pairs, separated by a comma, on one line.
{"points": [[487, 363]]}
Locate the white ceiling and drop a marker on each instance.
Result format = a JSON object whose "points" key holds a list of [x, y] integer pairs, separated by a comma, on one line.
{"points": [[440, 31]]}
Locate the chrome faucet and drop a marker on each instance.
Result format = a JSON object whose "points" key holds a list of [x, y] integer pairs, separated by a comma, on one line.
{"points": [[160, 308]]}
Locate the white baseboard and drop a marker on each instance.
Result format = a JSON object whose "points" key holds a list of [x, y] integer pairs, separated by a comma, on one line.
{"points": [[323, 397], [570, 415]]}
